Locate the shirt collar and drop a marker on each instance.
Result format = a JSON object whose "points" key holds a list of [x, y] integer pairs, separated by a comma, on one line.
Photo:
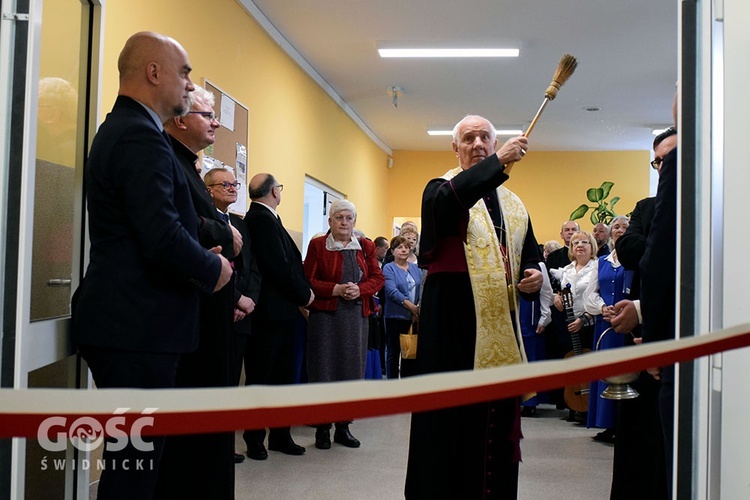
{"points": [[153, 114], [336, 246], [269, 208]]}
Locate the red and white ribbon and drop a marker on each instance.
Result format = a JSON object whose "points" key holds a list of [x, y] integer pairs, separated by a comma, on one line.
{"points": [[188, 411]]}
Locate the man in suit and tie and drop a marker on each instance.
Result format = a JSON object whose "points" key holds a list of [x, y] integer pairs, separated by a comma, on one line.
{"points": [[284, 289], [642, 445], [632, 245], [211, 364], [223, 188], [136, 310]]}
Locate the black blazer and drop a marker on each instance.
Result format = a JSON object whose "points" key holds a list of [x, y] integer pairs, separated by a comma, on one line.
{"points": [[247, 276], [658, 265], [212, 229], [631, 245], [284, 287], [558, 258], [146, 267]]}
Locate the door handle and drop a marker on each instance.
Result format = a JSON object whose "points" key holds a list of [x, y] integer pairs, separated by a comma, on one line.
{"points": [[59, 282]]}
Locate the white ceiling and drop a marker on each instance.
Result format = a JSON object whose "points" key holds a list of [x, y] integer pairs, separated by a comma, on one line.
{"points": [[626, 51]]}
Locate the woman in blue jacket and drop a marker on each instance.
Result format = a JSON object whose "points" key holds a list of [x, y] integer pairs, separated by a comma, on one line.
{"points": [[402, 284]]}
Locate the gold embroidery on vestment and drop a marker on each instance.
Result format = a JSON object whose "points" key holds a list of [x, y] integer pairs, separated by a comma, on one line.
{"points": [[497, 344]]}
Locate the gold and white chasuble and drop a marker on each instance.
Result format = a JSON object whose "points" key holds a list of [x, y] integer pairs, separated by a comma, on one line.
{"points": [[497, 344]]}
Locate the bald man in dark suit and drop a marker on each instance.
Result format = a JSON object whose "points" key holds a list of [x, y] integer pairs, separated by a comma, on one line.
{"points": [[136, 310], [284, 289]]}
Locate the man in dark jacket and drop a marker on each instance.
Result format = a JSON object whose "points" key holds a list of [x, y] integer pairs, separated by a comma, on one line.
{"points": [[211, 364], [136, 311], [283, 290]]}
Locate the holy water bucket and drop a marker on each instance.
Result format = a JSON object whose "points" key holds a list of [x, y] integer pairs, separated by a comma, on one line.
{"points": [[618, 387]]}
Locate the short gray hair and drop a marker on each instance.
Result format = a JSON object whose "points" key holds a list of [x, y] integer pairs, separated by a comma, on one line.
{"points": [[619, 217], [209, 177], [493, 132], [341, 205], [199, 93]]}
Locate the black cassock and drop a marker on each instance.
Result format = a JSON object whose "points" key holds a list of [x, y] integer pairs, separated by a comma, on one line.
{"points": [[468, 451]]}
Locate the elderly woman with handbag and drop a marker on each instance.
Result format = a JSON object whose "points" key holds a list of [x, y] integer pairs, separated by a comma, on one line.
{"points": [[344, 274]]}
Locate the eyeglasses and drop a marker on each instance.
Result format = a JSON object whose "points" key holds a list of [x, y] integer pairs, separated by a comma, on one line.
{"points": [[205, 114], [656, 163], [280, 186], [226, 185], [582, 242]]}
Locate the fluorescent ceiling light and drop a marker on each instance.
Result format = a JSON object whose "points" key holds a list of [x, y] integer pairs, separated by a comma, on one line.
{"points": [[658, 131], [503, 132], [448, 52]]}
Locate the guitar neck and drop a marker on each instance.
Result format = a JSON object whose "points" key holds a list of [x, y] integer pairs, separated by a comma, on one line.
{"points": [[570, 316], [576, 340]]}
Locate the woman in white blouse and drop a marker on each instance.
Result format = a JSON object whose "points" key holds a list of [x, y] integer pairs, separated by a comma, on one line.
{"points": [[578, 274]]}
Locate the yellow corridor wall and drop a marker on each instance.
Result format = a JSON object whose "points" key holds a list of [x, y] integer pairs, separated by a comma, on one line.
{"points": [[295, 128]]}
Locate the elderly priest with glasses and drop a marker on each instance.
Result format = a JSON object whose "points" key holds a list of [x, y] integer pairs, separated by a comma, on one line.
{"points": [[202, 465]]}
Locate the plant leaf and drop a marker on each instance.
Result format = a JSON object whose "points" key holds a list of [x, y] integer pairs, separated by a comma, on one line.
{"points": [[579, 212], [594, 195], [606, 188], [594, 218]]}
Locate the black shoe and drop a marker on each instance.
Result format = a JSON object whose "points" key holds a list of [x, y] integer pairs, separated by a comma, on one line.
{"points": [[287, 448], [528, 411], [323, 439], [238, 459], [605, 436], [344, 437], [578, 417], [257, 451]]}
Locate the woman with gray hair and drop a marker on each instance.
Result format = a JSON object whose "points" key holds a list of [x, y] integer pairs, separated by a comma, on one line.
{"points": [[344, 273]]}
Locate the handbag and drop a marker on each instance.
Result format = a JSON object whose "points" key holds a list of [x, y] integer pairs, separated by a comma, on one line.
{"points": [[408, 342]]}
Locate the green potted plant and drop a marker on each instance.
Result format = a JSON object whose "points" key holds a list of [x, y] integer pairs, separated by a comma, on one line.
{"points": [[603, 211]]}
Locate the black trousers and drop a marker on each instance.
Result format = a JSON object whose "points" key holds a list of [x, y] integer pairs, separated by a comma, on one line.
{"points": [[202, 465], [130, 473], [269, 360]]}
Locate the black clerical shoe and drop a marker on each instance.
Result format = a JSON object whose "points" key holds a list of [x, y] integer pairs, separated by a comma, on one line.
{"points": [[238, 459], [257, 451], [344, 437], [605, 436], [578, 417], [323, 439], [287, 448], [528, 411]]}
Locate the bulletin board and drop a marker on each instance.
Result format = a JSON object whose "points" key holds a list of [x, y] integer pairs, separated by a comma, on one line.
{"points": [[230, 147]]}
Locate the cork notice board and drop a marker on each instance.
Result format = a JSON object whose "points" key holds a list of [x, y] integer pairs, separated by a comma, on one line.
{"points": [[230, 148]]}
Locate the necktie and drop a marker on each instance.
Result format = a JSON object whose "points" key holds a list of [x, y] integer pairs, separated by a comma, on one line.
{"points": [[224, 216]]}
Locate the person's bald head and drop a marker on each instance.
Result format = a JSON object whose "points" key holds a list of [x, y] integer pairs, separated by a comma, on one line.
{"points": [[265, 189], [155, 70]]}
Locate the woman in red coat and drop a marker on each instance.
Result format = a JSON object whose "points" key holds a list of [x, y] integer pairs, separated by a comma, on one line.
{"points": [[344, 274]]}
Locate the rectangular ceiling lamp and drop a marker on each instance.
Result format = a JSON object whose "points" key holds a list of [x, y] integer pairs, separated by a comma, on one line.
{"points": [[509, 132], [658, 131], [448, 52]]}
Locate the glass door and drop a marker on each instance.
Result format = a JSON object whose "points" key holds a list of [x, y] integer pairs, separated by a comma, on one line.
{"points": [[51, 48]]}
